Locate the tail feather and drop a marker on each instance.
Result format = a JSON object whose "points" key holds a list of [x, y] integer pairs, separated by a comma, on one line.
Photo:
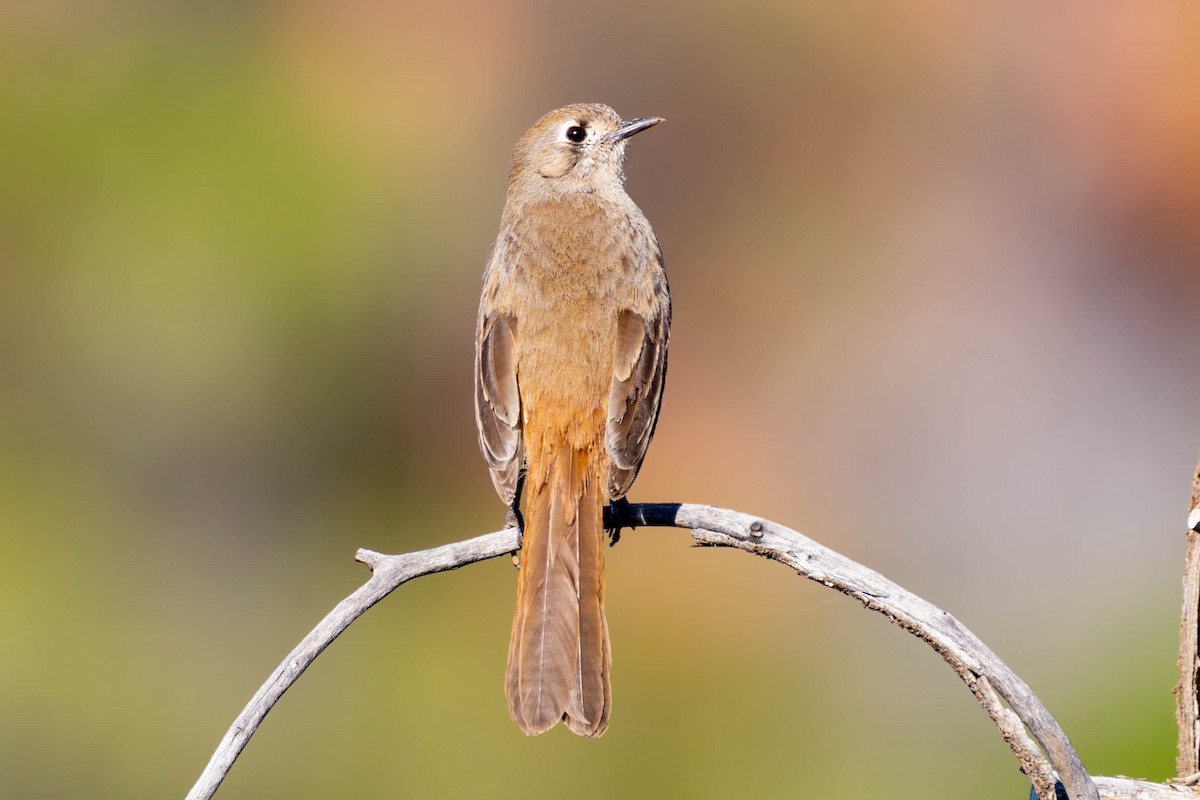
{"points": [[558, 658], [590, 701]]}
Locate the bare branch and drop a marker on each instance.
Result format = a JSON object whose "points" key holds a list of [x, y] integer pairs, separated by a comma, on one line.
{"points": [[1121, 788], [389, 572], [961, 649], [1014, 734], [983, 672], [1187, 709]]}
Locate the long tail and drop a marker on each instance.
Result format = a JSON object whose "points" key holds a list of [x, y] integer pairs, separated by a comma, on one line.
{"points": [[559, 656]]}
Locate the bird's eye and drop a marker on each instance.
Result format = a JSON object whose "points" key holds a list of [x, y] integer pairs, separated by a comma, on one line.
{"points": [[576, 133]]}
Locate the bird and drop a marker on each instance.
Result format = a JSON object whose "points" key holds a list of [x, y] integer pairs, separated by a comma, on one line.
{"points": [[570, 363]]}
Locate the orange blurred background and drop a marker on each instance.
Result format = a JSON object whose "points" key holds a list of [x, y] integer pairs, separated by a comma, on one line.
{"points": [[935, 272]]}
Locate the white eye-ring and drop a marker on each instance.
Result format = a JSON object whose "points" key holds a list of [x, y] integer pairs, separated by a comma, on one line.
{"points": [[576, 134]]}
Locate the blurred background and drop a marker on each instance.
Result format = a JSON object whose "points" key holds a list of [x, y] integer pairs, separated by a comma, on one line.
{"points": [[935, 276]]}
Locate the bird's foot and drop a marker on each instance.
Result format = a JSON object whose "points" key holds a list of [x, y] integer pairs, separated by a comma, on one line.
{"points": [[514, 519], [617, 510]]}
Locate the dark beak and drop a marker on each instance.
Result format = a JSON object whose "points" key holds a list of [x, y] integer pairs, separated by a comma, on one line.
{"points": [[631, 126]]}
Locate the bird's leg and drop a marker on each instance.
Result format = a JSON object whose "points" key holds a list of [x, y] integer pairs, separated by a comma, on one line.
{"points": [[513, 518], [618, 510]]}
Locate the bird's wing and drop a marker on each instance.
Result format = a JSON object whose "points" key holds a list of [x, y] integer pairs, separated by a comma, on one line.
{"points": [[639, 372], [498, 402]]}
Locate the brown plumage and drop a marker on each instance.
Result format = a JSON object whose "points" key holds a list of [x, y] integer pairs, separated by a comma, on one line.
{"points": [[571, 354]]}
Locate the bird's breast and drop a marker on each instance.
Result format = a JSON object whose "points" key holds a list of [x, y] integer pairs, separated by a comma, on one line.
{"points": [[574, 267]]}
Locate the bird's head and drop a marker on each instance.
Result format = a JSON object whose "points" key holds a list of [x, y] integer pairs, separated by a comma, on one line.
{"points": [[579, 147]]}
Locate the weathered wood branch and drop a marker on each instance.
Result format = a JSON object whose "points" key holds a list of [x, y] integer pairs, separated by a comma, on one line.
{"points": [[1187, 708], [1121, 788], [1038, 742], [387, 573]]}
